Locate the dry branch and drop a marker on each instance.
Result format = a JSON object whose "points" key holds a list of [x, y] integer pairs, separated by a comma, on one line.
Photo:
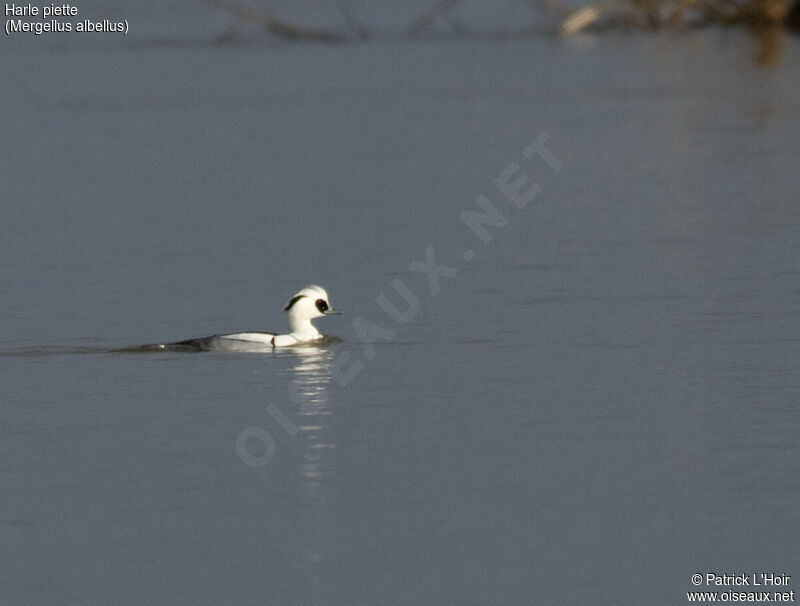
{"points": [[278, 27], [432, 14], [352, 22], [671, 13], [655, 14], [551, 6]]}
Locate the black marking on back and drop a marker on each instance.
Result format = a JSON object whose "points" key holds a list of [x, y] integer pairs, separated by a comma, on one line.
{"points": [[291, 303]]}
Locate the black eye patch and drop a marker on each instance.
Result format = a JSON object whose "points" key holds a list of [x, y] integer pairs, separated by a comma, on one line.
{"points": [[322, 306]]}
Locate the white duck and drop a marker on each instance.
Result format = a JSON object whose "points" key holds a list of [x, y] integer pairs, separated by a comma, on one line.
{"points": [[311, 302]]}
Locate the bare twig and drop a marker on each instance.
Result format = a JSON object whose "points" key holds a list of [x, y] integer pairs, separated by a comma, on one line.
{"points": [[437, 10], [561, 10], [278, 27], [756, 14], [230, 34], [352, 22], [582, 18]]}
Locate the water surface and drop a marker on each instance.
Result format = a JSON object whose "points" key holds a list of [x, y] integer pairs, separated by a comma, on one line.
{"points": [[595, 404]]}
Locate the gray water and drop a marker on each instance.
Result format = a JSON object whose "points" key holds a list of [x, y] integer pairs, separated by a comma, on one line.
{"points": [[596, 403]]}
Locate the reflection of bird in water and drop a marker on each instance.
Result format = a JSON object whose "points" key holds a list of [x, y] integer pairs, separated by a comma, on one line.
{"points": [[309, 393]]}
